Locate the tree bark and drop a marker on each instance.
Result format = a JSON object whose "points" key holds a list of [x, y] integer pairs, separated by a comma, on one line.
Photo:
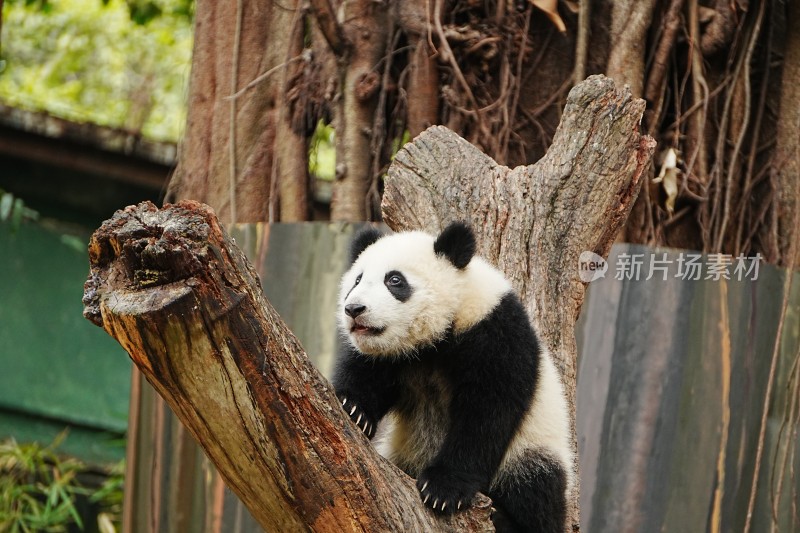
{"points": [[787, 151], [630, 21], [364, 25], [227, 155], [535, 221], [179, 296], [423, 70], [290, 166]]}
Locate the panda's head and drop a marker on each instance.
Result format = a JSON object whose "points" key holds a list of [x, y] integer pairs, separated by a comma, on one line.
{"points": [[403, 290]]}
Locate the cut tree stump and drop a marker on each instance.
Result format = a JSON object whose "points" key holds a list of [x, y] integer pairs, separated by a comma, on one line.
{"points": [[181, 298]]}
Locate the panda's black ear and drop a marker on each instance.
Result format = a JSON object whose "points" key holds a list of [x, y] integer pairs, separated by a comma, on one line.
{"points": [[362, 240], [456, 242]]}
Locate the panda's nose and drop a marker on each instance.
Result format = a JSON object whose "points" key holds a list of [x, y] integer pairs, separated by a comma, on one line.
{"points": [[353, 310]]}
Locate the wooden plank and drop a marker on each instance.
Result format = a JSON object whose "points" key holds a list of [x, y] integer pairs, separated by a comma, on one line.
{"points": [[684, 384]]}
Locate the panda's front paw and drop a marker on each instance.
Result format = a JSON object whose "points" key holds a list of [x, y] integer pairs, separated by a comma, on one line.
{"points": [[446, 490], [364, 422]]}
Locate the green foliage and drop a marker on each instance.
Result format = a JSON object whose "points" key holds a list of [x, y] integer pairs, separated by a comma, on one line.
{"points": [[115, 63], [322, 152], [13, 210], [399, 142], [109, 497], [38, 490], [144, 11]]}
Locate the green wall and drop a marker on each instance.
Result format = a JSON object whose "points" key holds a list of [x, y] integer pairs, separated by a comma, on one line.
{"points": [[56, 368]]}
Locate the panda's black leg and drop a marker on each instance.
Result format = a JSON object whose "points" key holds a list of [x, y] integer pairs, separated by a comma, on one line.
{"points": [[531, 496], [503, 523]]}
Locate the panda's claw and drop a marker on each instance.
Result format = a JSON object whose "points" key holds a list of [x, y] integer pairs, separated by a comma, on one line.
{"points": [[450, 490], [425, 501], [360, 417]]}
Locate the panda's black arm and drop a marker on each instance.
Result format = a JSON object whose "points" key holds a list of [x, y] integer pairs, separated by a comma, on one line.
{"points": [[367, 388], [493, 381], [483, 423]]}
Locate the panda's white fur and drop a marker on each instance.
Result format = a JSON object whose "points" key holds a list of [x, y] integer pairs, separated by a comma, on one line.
{"points": [[445, 301], [546, 424]]}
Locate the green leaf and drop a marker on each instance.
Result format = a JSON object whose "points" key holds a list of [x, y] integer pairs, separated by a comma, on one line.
{"points": [[6, 203], [16, 213], [74, 513]]}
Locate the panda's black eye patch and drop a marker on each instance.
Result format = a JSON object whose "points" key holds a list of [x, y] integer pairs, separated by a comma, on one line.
{"points": [[397, 285]]}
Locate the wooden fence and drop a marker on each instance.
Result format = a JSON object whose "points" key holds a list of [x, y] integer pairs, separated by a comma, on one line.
{"points": [[674, 374]]}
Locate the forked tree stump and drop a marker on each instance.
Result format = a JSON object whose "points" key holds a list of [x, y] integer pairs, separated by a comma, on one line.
{"points": [[184, 302], [534, 221]]}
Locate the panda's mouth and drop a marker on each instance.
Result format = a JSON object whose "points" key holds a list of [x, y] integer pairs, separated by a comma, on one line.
{"points": [[362, 329]]}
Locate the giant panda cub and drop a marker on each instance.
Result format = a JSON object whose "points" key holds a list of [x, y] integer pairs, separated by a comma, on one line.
{"points": [[438, 341]]}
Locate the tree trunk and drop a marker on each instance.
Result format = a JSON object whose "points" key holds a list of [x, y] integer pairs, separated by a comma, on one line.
{"points": [[423, 70], [787, 159], [227, 157], [290, 167], [179, 296], [359, 40], [630, 22]]}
